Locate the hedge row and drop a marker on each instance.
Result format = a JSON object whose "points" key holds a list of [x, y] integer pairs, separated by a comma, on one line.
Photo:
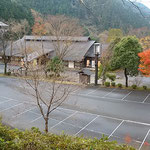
{"points": [[14, 139]]}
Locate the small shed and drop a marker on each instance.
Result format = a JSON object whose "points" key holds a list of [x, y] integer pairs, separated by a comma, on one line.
{"points": [[85, 76]]}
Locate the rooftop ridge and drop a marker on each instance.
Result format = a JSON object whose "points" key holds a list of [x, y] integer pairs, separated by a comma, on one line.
{"points": [[60, 38]]}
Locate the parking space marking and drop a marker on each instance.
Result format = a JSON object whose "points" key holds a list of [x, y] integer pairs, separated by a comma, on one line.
{"points": [[64, 119], [119, 119], [11, 107], [87, 125], [24, 112], [56, 120], [146, 98], [36, 118], [35, 112], [5, 102], [144, 139], [108, 93], [17, 100], [126, 95], [116, 128], [123, 99], [92, 91], [136, 122], [8, 98]]}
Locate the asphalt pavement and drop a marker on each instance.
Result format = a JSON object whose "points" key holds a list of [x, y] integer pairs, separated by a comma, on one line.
{"points": [[122, 115]]}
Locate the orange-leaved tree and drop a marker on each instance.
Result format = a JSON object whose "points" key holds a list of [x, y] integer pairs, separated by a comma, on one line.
{"points": [[39, 27], [144, 66]]}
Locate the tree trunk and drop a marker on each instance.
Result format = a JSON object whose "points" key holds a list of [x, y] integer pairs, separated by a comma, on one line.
{"points": [[126, 77], [26, 71], [103, 80], [5, 68], [46, 125]]}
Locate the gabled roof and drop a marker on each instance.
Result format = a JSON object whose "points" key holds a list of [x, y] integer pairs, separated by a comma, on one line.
{"points": [[90, 53], [77, 49]]}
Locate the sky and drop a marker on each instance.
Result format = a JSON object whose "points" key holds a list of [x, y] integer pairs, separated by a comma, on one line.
{"points": [[146, 2]]}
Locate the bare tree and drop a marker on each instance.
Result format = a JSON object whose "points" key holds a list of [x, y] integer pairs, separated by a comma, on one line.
{"points": [[4, 42], [48, 95], [64, 29], [105, 61], [20, 29], [6, 39]]}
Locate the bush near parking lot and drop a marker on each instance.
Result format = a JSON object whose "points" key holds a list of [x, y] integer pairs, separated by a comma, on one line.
{"points": [[119, 85], [145, 87], [14, 139], [134, 86], [113, 84], [107, 84], [111, 77]]}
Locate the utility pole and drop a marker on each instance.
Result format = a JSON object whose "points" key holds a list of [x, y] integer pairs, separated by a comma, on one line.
{"points": [[97, 50], [96, 68]]}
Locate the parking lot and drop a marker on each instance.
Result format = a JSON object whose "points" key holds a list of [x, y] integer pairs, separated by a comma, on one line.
{"points": [[24, 115]]}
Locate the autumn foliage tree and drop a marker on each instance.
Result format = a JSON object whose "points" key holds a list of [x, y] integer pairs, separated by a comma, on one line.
{"points": [[144, 66], [39, 27], [145, 42]]}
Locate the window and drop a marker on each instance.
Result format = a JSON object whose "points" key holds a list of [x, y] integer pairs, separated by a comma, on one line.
{"points": [[93, 63], [88, 63], [71, 65]]}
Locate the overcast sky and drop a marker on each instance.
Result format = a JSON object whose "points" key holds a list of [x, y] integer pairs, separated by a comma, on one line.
{"points": [[146, 2]]}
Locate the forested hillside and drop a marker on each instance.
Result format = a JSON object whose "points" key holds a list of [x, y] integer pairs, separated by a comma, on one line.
{"points": [[12, 10], [102, 14]]}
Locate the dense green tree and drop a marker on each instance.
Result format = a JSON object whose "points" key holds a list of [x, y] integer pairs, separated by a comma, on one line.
{"points": [[55, 66], [101, 14], [11, 10], [126, 56]]}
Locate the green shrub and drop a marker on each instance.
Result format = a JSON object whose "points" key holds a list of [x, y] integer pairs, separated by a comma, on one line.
{"points": [[134, 86], [107, 84], [145, 87], [14, 139], [8, 73], [113, 84], [112, 77], [119, 85]]}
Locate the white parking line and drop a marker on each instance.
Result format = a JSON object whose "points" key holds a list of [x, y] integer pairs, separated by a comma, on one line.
{"points": [[86, 125], [146, 98], [92, 91], [108, 93], [119, 119], [5, 102], [126, 95], [144, 139], [11, 107], [24, 112], [36, 119], [63, 120], [34, 112], [8, 98], [116, 129], [17, 100], [98, 97]]}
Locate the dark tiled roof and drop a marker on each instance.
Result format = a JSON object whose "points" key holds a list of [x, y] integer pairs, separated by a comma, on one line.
{"points": [[54, 38], [90, 53], [77, 50]]}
